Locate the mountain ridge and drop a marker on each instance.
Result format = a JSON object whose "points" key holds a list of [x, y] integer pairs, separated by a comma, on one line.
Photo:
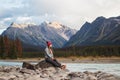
{"points": [[36, 35], [102, 31]]}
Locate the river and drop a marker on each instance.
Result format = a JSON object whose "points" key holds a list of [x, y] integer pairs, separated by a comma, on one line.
{"points": [[113, 68]]}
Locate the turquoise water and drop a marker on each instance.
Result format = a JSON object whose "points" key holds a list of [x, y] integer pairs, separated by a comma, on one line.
{"points": [[113, 68], [110, 68]]}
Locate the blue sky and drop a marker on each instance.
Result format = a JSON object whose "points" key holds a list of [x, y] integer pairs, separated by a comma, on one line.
{"points": [[73, 13]]}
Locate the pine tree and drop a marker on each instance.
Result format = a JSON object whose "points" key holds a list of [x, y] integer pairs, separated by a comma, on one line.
{"points": [[13, 51], [2, 47], [7, 45], [18, 47]]}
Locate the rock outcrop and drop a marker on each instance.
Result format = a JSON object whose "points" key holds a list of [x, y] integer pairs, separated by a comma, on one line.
{"points": [[36, 72], [41, 64]]}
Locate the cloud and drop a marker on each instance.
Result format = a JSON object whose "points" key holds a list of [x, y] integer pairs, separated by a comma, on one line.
{"points": [[73, 13], [23, 19]]}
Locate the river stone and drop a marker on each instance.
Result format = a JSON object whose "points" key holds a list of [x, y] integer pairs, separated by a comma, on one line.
{"points": [[27, 71], [3, 78], [28, 66], [91, 77], [52, 73]]}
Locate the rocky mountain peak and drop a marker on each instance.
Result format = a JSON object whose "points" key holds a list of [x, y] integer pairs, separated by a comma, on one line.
{"points": [[36, 35], [16, 25], [102, 31], [100, 18], [55, 24]]}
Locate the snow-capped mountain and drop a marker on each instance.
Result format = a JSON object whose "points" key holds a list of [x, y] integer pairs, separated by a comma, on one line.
{"points": [[36, 35], [62, 30], [15, 25], [102, 31]]}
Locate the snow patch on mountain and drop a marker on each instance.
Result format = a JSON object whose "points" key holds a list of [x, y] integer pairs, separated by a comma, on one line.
{"points": [[56, 25], [21, 25], [64, 36]]}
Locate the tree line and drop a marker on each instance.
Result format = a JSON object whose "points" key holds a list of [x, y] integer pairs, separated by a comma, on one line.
{"points": [[10, 48], [101, 51], [13, 49], [79, 51]]}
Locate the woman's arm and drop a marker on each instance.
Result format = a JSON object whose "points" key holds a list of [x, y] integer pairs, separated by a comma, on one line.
{"points": [[49, 53]]}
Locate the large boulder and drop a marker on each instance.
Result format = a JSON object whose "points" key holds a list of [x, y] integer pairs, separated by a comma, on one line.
{"points": [[28, 66], [42, 64]]}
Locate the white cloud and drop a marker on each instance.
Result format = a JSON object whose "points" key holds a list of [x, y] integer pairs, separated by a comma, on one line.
{"points": [[4, 22], [76, 12], [73, 13], [7, 19], [23, 19]]}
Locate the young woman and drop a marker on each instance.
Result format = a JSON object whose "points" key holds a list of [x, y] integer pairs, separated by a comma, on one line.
{"points": [[49, 57]]}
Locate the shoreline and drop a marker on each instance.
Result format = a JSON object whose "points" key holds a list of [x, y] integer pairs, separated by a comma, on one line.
{"points": [[22, 73], [71, 60], [45, 71], [51, 73]]}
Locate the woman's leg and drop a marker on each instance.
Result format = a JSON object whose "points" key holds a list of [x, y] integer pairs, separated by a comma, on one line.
{"points": [[53, 62], [57, 62], [61, 66]]}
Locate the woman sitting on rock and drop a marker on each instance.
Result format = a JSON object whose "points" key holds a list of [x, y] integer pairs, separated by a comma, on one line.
{"points": [[49, 57]]}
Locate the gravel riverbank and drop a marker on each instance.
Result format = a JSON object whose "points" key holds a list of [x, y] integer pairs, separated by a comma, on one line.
{"points": [[51, 73]]}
